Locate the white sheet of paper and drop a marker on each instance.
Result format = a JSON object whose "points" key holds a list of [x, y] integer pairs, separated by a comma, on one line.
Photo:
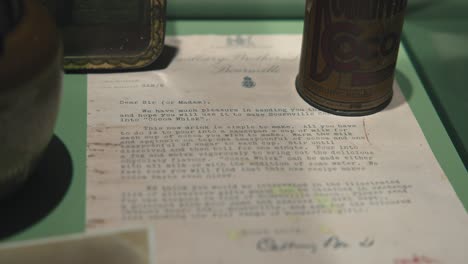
{"points": [[230, 165]]}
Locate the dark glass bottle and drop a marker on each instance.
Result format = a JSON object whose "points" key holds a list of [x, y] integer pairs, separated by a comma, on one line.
{"points": [[30, 84]]}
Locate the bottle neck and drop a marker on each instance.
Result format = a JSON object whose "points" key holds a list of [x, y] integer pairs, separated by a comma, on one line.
{"points": [[11, 12]]}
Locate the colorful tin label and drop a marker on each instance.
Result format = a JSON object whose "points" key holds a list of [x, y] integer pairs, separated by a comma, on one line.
{"points": [[349, 54]]}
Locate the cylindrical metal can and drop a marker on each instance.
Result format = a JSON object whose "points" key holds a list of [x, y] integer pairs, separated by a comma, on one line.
{"points": [[349, 54]]}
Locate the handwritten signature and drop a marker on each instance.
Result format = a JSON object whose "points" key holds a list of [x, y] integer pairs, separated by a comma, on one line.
{"points": [[269, 244]]}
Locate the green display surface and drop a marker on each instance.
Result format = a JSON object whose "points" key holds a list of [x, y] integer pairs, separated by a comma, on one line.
{"points": [[436, 37], [69, 217], [273, 9], [235, 9]]}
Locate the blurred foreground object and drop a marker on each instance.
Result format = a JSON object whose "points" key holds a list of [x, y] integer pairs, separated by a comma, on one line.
{"points": [[110, 247], [349, 54], [110, 34], [30, 85]]}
